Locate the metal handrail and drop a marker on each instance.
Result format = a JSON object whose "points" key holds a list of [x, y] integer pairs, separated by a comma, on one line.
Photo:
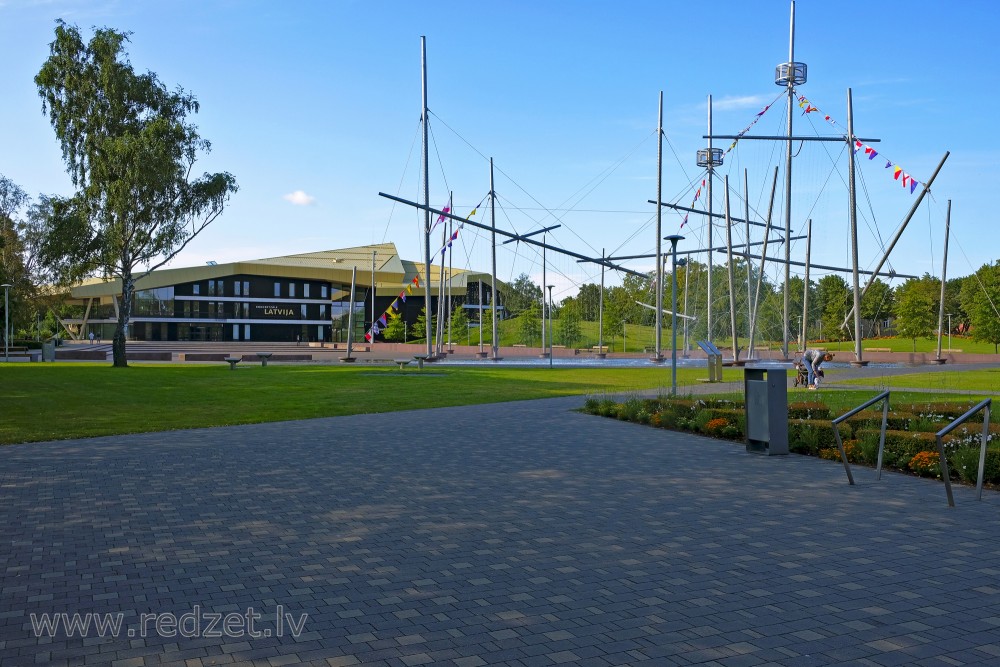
{"points": [[884, 396], [982, 450]]}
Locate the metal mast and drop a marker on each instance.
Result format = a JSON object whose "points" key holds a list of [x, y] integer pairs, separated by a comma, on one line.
{"points": [[732, 281], [944, 278], [659, 249], [789, 74], [427, 201], [805, 288], [451, 347], [373, 297], [746, 253], [600, 314], [854, 230], [493, 247], [544, 283]]}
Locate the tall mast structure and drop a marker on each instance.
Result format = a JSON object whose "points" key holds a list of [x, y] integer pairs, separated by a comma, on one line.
{"points": [[659, 248], [789, 75], [709, 158], [427, 201]]}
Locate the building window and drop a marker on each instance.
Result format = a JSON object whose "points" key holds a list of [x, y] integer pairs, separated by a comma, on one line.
{"points": [[246, 288], [291, 290], [220, 287], [196, 289], [187, 309], [277, 289], [322, 291], [246, 310], [302, 310], [322, 311], [305, 290], [246, 332], [211, 288], [236, 330], [236, 292]]}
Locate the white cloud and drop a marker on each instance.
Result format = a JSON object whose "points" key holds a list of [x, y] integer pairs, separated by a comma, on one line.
{"points": [[739, 102], [300, 198]]}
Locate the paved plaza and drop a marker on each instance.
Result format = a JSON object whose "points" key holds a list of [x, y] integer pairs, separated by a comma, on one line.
{"points": [[515, 534]]}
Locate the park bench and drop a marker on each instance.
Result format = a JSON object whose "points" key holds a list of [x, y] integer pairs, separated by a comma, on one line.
{"points": [[232, 361], [263, 356], [401, 362]]}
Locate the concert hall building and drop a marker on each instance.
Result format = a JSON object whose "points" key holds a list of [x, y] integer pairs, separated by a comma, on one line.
{"points": [[303, 297]]}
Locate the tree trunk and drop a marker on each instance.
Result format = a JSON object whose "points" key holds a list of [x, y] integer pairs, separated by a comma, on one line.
{"points": [[124, 314]]}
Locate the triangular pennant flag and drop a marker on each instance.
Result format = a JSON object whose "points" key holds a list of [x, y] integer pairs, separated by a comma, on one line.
{"points": [[409, 289], [381, 320], [416, 281], [913, 185], [857, 145], [368, 337], [395, 305], [375, 330], [906, 178], [473, 212], [402, 296], [896, 172], [887, 164], [871, 152]]}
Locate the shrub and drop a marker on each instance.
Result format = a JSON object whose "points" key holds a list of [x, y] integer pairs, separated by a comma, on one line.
{"points": [[926, 464], [809, 436], [808, 410], [715, 426]]}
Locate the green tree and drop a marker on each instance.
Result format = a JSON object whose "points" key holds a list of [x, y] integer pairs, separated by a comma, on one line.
{"points": [[521, 294], [395, 330], [419, 327], [980, 296], [529, 326], [916, 308], [834, 297], [589, 301], [877, 303], [568, 325], [459, 326], [130, 153]]}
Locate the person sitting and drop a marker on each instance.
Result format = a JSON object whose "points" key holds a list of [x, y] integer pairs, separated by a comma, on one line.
{"points": [[812, 360]]}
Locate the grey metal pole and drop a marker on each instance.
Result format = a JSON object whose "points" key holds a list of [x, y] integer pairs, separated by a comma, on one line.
{"points": [[854, 229], [732, 278], [805, 288], [623, 336], [451, 347], [544, 282], [600, 313], [350, 313], [550, 324], [788, 179], [659, 250], [493, 288], [673, 309], [708, 302], [427, 201], [373, 297], [481, 353], [6, 322], [746, 254], [944, 278], [763, 258]]}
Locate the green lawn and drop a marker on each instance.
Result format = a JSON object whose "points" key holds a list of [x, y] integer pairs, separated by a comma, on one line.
{"points": [[986, 381], [57, 401]]}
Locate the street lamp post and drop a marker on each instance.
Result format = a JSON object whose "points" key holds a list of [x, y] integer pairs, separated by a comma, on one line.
{"points": [[949, 332], [623, 335], [6, 321], [550, 325], [674, 238]]}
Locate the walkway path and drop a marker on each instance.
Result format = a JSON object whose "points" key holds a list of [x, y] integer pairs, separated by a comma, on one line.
{"points": [[518, 534]]}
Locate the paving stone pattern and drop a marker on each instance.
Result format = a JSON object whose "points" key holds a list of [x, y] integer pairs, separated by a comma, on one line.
{"points": [[518, 534]]}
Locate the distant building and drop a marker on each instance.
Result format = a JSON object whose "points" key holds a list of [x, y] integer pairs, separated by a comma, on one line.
{"points": [[304, 296]]}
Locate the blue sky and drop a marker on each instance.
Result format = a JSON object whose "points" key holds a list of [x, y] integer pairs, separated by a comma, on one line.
{"points": [[323, 99]]}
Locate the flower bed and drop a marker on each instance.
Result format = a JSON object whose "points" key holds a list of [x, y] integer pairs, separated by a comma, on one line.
{"points": [[910, 440]]}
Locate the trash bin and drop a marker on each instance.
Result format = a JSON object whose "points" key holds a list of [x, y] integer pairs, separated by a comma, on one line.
{"points": [[49, 351], [766, 392]]}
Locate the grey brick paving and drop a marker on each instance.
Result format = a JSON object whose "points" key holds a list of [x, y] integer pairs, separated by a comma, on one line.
{"points": [[518, 534]]}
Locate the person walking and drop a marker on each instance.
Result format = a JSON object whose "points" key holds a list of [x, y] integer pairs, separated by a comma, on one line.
{"points": [[91, 337], [812, 360]]}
